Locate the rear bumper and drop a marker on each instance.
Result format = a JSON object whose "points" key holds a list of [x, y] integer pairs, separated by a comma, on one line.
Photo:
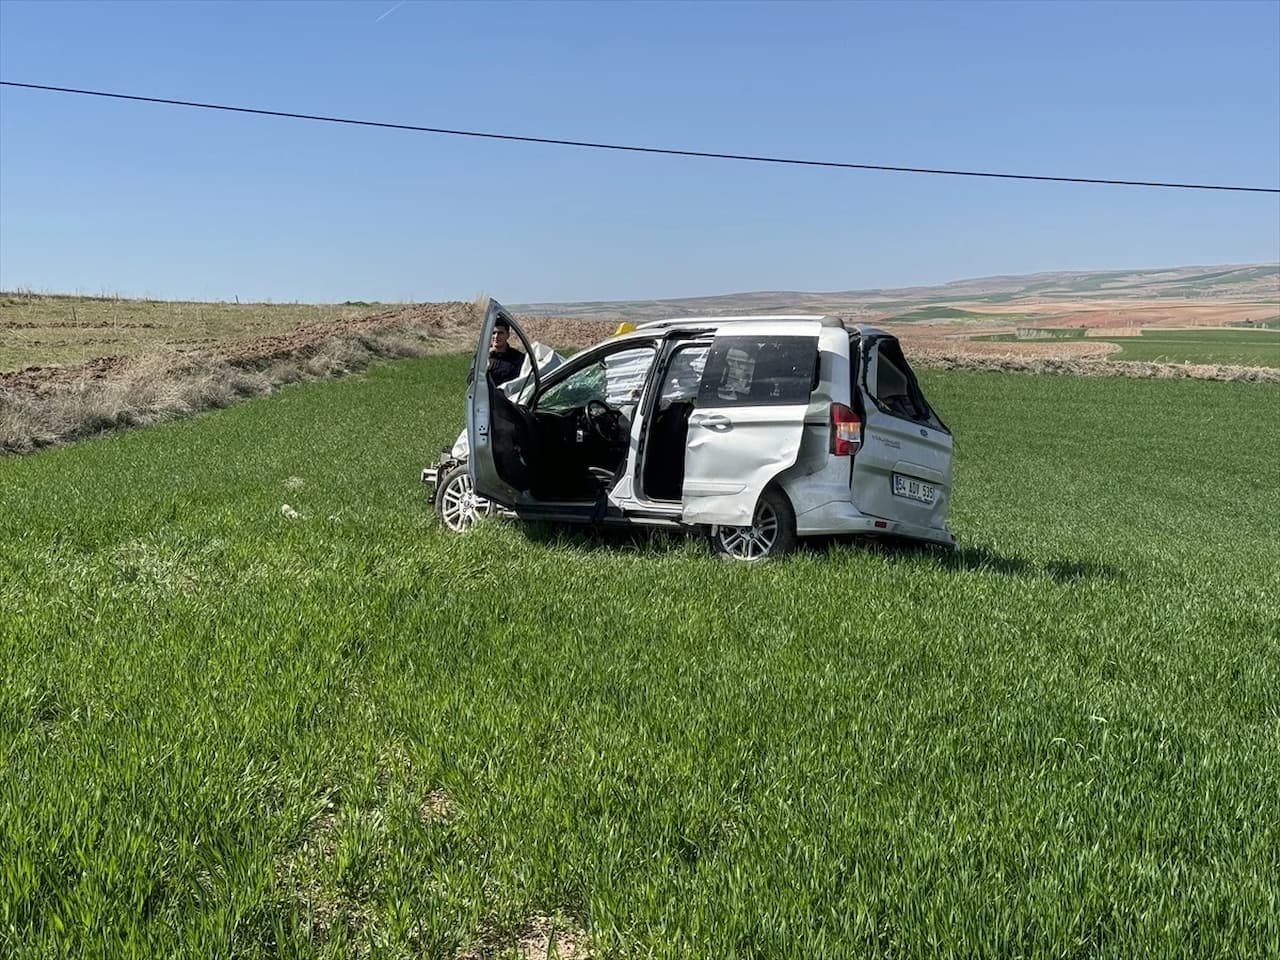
{"points": [[840, 516]]}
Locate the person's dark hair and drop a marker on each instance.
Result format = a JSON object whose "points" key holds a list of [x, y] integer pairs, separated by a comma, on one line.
{"points": [[501, 324]]}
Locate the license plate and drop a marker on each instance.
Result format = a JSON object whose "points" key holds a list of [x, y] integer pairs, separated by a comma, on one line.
{"points": [[913, 489]]}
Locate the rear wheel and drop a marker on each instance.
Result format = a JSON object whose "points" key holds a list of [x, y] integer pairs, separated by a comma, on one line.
{"points": [[456, 500], [771, 534]]}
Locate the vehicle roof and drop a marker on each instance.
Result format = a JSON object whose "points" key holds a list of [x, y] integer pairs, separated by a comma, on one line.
{"points": [[703, 323]]}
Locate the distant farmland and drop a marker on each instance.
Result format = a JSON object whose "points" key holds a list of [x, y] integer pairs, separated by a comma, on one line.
{"points": [[1259, 348], [1199, 296], [1251, 348], [231, 733]]}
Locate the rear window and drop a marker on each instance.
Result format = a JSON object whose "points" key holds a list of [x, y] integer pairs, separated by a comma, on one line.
{"points": [[895, 389], [747, 371]]}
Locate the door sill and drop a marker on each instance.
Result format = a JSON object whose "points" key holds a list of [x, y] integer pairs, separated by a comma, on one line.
{"points": [[657, 509]]}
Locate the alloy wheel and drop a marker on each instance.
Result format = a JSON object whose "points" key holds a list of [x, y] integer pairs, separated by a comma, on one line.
{"points": [[459, 504], [754, 542]]}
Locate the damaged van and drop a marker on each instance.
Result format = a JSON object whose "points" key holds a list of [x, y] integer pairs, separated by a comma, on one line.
{"points": [[757, 430]]}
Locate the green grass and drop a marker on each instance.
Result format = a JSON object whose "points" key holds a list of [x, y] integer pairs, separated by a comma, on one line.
{"points": [[219, 728], [1042, 333], [1254, 348], [1267, 323], [944, 313], [1002, 297]]}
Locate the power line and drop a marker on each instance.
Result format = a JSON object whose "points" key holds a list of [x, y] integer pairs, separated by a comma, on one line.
{"points": [[667, 151]]}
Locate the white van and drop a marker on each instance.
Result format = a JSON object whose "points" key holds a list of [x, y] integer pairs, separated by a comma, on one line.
{"points": [[757, 429]]}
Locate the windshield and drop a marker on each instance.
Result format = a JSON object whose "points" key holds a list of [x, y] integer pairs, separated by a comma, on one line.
{"points": [[615, 379]]}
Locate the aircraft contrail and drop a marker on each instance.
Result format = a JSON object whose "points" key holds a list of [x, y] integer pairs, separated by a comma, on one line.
{"points": [[393, 9]]}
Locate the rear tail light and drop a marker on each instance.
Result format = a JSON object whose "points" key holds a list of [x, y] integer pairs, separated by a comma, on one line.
{"points": [[846, 431]]}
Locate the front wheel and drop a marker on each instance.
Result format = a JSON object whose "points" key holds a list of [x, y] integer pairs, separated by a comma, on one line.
{"points": [[456, 500], [771, 534]]}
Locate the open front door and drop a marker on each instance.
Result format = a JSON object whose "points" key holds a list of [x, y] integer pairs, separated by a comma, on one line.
{"points": [[748, 418], [500, 432]]}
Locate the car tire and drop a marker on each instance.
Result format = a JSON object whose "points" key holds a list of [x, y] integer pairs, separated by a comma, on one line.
{"points": [[772, 532], [456, 503]]}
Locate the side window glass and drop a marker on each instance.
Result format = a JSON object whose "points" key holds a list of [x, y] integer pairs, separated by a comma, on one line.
{"points": [[759, 371], [684, 374], [625, 374]]}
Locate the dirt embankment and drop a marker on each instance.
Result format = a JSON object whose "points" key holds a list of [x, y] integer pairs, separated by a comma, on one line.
{"points": [[41, 406], [443, 327], [442, 321], [44, 405]]}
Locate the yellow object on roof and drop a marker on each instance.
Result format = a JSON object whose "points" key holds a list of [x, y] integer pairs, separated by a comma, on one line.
{"points": [[624, 327]]}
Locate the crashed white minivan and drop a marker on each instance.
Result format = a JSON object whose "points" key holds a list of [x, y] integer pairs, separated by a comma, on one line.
{"points": [[758, 430]]}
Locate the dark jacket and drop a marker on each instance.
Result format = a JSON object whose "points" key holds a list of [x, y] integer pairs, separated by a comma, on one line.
{"points": [[505, 364]]}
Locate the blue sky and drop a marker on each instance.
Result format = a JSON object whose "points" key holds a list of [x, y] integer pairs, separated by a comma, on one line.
{"points": [[99, 196]]}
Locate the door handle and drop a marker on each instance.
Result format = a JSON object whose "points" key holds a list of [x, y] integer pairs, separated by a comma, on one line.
{"points": [[713, 421]]}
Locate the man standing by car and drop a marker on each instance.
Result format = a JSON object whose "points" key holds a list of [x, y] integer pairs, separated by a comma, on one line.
{"points": [[505, 360]]}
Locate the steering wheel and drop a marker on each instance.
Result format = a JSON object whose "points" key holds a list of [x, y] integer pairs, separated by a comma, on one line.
{"points": [[603, 420]]}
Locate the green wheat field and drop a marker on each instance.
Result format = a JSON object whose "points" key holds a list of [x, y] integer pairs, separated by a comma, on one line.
{"points": [[227, 733]]}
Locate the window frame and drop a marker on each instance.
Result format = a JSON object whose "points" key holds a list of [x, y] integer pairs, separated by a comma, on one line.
{"points": [[926, 415]]}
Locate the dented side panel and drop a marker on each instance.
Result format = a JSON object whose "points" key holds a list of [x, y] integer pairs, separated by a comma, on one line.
{"points": [[749, 418], [732, 457]]}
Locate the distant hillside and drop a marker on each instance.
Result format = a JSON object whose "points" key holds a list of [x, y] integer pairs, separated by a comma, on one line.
{"points": [[1249, 283]]}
